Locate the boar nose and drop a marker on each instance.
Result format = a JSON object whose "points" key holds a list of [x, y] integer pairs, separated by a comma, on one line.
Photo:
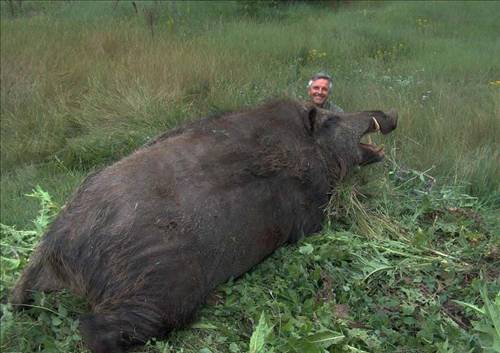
{"points": [[392, 116]]}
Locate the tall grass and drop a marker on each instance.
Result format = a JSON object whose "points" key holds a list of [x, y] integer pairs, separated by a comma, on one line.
{"points": [[87, 82]]}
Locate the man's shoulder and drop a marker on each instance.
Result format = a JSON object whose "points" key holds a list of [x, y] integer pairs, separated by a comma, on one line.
{"points": [[333, 107]]}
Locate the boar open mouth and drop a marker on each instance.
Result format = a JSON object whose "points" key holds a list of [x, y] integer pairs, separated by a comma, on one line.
{"points": [[370, 153]]}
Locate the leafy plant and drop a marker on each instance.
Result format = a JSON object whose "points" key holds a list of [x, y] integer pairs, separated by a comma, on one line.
{"points": [[259, 335], [488, 327], [17, 245]]}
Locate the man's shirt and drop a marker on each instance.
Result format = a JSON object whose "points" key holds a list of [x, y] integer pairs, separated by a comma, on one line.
{"points": [[332, 107]]}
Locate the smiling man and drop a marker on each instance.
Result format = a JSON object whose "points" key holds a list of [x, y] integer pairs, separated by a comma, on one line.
{"points": [[319, 89]]}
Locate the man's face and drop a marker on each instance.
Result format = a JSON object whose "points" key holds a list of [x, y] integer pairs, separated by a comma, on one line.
{"points": [[319, 91]]}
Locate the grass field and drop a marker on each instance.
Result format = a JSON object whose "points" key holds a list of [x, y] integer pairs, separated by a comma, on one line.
{"points": [[409, 258]]}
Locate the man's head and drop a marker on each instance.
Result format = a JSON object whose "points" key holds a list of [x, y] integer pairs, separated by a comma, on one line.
{"points": [[319, 88]]}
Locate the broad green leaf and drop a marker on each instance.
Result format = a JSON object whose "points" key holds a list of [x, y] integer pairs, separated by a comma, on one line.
{"points": [[306, 249], [233, 348], [259, 336], [56, 321], [492, 311]]}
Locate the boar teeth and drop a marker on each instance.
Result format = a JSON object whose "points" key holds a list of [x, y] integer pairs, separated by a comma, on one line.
{"points": [[377, 126]]}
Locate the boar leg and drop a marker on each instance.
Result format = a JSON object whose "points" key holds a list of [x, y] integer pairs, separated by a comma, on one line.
{"points": [[118, 329], [38, 276]]}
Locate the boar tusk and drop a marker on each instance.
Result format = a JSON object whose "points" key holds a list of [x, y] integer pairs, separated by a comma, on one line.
{"points": [[377, 125]]}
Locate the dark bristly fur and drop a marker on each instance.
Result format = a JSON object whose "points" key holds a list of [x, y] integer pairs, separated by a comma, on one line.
{"points": [[146, 239]]}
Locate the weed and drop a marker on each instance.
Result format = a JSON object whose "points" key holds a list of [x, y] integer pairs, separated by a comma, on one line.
{"points": [[355, 287]]}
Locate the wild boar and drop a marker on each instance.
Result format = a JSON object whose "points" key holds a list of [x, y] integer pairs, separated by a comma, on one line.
{"points": [[146, 239]]}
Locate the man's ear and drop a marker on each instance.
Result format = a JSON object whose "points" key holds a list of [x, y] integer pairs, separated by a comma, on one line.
{"points": [[310, 119]]}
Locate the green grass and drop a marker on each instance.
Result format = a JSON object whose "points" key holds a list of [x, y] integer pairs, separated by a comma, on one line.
{"points": [[400, 267], [105, 75]]}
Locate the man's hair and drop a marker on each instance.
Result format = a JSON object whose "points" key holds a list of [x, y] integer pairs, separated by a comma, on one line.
{"points": [[321, 75]]}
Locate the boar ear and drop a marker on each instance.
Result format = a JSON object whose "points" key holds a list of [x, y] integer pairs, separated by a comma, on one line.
{"points": [[309, 118]]}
